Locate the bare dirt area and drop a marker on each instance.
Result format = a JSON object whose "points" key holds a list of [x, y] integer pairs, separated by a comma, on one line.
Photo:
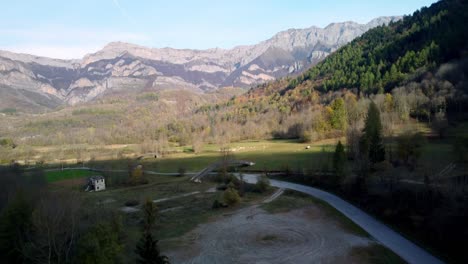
{"points": [[252, 235]]}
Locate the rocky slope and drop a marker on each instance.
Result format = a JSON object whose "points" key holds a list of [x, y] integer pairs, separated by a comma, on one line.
{"points": [[32, 82]]}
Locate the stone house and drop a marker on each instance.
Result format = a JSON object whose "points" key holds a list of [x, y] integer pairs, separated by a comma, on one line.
{"points": [[96, 184]]}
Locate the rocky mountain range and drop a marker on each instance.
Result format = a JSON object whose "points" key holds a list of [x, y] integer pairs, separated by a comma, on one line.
{"points": [[37, 83]]}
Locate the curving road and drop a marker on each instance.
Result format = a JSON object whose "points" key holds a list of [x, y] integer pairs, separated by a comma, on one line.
{"points": [[386, 236]]}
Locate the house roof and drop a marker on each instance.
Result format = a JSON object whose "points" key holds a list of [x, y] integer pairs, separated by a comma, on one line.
{"points": [[95, 178]]}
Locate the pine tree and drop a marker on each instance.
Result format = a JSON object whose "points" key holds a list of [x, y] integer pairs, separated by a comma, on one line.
{"points": [[147, 248], [148, 251], [339, 160], [371, 142]]}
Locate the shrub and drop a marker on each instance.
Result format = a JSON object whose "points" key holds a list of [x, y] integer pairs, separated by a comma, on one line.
{"points": [[137, 175], [262, 185], [132, 203], [231, 196], [7, 142], [182, 171], [217, 204]]}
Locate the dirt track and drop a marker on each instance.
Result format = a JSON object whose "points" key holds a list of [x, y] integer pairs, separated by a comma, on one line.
{"points": [[254, 236]]}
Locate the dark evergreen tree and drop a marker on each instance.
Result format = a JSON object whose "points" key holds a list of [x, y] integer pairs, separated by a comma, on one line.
{"points": [[371, 142], [148, 251], [339, 161], [147, 248]]}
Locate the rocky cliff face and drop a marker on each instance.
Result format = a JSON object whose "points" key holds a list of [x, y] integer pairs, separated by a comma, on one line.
{"points": [[37, 82]]}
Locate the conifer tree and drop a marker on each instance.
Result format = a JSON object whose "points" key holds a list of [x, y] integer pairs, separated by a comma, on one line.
{"points": [[371, 141], [147, 248], [339, 160]]}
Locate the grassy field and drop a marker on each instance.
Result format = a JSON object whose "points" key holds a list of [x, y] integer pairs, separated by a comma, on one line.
{"points": [[176, 217], [60, 175], [266, 154]]}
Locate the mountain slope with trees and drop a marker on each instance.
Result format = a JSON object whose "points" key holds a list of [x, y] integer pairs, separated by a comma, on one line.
{"points": [[387, 55], [415, 68]]}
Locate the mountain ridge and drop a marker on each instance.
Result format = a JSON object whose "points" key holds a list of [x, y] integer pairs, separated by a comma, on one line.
{"points": [[125, 66]]}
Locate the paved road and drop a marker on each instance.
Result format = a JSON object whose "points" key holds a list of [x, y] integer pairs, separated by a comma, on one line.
{"points": [[386, 236]]}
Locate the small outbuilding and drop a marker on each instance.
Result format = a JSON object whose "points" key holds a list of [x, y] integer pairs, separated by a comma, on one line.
{"points": [[96, 184]]}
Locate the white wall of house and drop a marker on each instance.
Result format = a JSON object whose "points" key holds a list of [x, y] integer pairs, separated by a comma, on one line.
{"points": [[99, 185]]}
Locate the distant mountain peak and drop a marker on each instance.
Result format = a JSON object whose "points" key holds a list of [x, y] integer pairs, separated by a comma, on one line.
{"points": [[127, 67]]}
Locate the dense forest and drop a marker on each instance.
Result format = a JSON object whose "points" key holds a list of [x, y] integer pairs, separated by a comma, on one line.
{"points": [[385, 56]]}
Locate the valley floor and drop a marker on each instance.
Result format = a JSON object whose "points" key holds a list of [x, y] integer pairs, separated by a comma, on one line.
{"points": [[290, 229]]}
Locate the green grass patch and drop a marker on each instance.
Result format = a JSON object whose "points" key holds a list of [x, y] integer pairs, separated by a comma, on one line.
{"points": [[266, 154], [60, 175], [178, 222]]}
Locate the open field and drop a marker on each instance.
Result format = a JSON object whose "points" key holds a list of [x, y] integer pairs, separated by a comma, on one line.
{"points": [[266, 154], [304, 232], [177, 216], [60, 175], [271, 154]]}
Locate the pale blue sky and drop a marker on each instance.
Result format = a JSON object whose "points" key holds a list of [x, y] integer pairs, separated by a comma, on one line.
{"points": [[70, 29]]}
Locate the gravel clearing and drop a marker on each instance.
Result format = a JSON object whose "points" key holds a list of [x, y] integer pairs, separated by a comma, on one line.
{"points": [[254, 236]]}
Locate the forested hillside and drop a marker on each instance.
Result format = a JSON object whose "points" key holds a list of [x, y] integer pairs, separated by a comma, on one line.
{"points": [[388, 55], [413, 68]]}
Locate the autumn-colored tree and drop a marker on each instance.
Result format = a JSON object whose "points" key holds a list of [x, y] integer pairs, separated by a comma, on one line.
{"points": [[136, 174], [388, 103]]}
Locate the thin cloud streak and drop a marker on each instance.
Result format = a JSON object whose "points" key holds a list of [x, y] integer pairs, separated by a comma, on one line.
{"points": [[124, 12]]}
